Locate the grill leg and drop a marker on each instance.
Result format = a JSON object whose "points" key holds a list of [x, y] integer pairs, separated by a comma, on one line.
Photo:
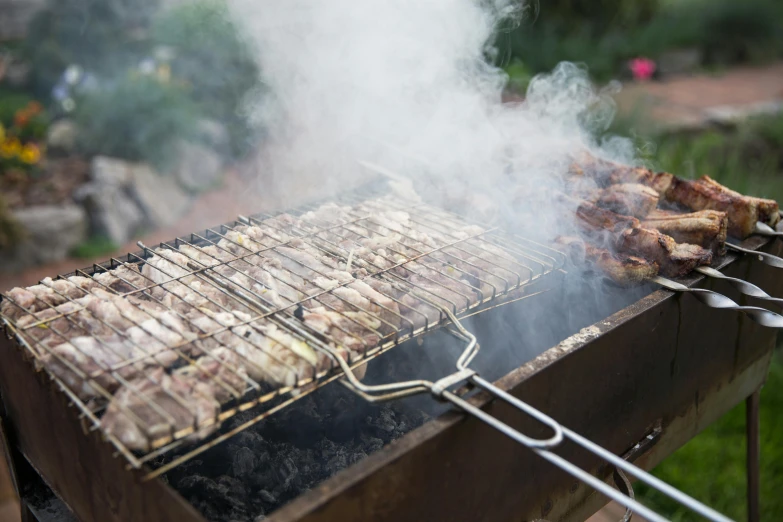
{"points": [[753, 455]]}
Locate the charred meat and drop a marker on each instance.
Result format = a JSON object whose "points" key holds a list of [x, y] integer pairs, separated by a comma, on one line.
{"points": [[624, 270], [706, 228]]}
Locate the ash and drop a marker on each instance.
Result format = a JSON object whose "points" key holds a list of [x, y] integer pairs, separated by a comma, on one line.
{"points": [[264, 467]]}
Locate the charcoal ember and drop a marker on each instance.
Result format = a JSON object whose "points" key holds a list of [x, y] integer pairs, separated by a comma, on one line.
{"points": [[244, 462], [264, 467]]}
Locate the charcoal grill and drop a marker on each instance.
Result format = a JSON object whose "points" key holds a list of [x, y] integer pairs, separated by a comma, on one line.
{"points": [[111, 482]]}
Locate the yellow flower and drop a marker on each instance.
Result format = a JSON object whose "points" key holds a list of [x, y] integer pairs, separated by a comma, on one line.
{"points": [[30, 154], [10, 148], [164, 73]]}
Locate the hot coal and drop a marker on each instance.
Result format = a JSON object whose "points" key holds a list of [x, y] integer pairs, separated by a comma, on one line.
{"points": [[263, 468]]}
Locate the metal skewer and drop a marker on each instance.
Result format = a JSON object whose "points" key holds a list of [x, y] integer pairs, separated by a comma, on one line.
{"points": [[763, 229], [740, 284], [715, 300], [769, 259]]}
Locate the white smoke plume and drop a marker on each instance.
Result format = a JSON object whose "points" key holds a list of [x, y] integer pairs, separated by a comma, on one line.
{"points": [[406, 84]]}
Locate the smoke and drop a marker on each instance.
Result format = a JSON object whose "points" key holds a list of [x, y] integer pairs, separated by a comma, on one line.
{"points": [[408, 85]]}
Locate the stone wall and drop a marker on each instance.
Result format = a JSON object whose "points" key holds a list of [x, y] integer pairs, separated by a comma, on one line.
{"points": [[14, 16]]}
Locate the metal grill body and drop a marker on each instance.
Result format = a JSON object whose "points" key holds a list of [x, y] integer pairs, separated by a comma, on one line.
{"points": [[651, 366]]}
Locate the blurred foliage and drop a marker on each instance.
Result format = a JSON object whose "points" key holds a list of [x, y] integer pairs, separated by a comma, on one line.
{"points": [[11, 232], [215, 62], [212, 67], [96, 246], [606, 34], [104, 36], [139, 119], [711, 467], [747, 157], [23, 127]]}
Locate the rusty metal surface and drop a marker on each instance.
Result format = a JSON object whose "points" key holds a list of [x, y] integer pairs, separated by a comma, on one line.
{"points": [[664, 359], [75, 463]]}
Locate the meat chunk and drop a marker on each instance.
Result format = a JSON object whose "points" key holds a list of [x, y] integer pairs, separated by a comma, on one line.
{"points": [[624, 270], [743, 213], [674, 259], [156, 406], [706, 228], [628, 199], [102, 360]]}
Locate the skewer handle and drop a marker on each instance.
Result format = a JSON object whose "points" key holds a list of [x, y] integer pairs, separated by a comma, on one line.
{"points": [[764, 257], [715, 300], [740, 284]]}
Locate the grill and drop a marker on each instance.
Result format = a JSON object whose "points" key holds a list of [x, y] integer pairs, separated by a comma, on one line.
{"points": [[436, 270], [437, 264]]}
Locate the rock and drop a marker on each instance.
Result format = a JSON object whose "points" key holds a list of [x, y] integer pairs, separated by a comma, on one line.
{"points": [[61, 136], [51, 232], [111, 171], [160, 198], [123, 197], [198, 168], [113, 213]]}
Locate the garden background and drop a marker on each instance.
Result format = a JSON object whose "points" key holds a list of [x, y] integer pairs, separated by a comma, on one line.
{"points": [[102, 124]]}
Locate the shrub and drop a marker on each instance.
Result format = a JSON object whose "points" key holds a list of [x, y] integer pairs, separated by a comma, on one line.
{"points": [[139, 119], [736, 32], [213, 59], [96, 246], [104, 37]]}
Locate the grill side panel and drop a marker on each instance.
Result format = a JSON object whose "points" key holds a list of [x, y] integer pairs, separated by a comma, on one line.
{"points": [[664, 360], [78, 465]]}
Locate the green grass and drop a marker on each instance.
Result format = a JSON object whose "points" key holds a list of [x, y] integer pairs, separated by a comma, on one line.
{"points": [[711, 467], [94, 247]]}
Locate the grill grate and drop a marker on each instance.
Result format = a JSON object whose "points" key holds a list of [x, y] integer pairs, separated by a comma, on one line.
{"points": [[159, 348]]}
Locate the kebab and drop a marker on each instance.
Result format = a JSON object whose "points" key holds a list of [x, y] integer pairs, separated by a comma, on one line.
{"points": [[702, 194]]}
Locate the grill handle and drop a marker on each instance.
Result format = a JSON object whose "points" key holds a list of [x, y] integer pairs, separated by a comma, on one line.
{"points": [[620, 464]]}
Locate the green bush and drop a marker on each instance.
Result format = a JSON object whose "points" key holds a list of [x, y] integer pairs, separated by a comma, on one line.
{"points": [[214, 61], [139, 119], [103, 37], [736, 32], [606, 34], [96, 246]]}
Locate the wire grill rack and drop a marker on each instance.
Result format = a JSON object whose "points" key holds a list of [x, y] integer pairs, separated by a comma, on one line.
{"points": [[160, 347]]}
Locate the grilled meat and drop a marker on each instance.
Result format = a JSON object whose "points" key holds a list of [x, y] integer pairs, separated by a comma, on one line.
{"points": [[605, 227], [706, 228], [628, 199], [624, 270], [606, 173], [222, 370], [674, 259], [600, 224], [701, 194], [154, 406], [707, 194]]}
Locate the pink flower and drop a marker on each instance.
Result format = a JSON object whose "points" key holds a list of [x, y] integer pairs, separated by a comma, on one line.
{"points": [[642, 68]]}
